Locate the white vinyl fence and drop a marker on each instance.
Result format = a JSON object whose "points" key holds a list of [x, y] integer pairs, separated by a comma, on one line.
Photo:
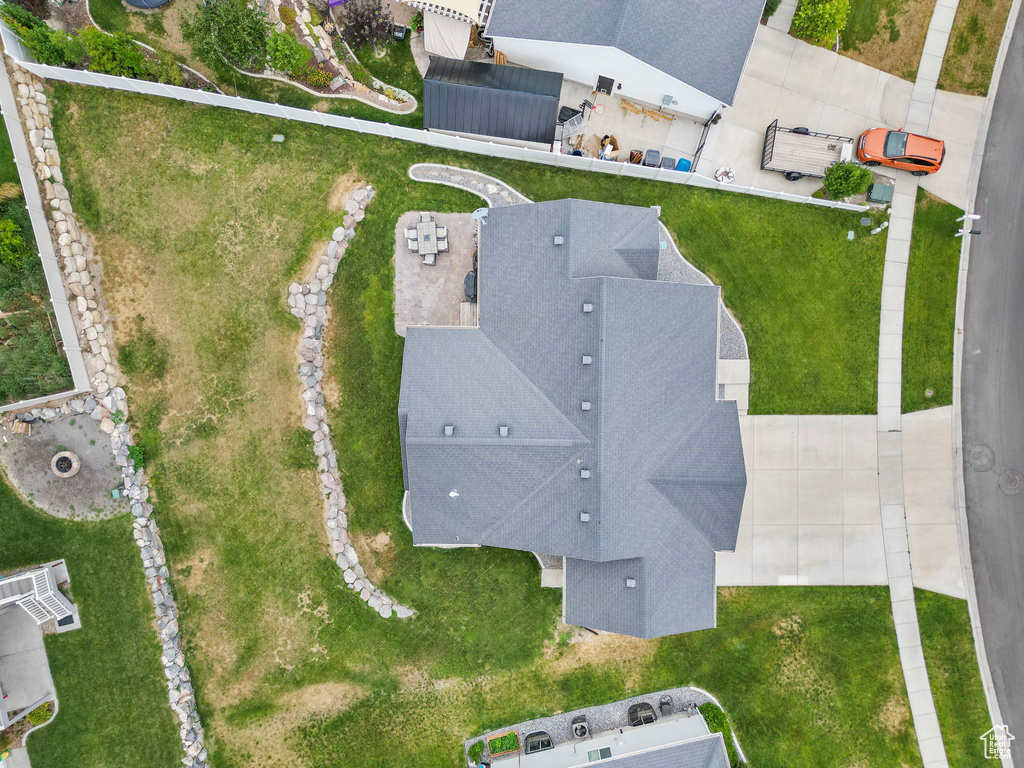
{"points": [[15, 49], [41, 232]]}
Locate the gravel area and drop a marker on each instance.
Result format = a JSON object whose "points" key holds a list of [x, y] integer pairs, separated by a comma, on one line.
{"points": [[495, 193], [604, 717]]}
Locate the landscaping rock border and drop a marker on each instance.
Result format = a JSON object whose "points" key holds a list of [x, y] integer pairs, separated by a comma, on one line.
{"points": [[109, 404], [308, 302]]}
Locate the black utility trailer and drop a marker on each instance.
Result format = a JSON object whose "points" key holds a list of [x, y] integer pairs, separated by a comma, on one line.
{"points": [[799, 152]]}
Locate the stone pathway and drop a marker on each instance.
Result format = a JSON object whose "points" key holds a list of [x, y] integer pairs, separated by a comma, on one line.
{"points": [[495, 193], [899, 568], [308, 303]]}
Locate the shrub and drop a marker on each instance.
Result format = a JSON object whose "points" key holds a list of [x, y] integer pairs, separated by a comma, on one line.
{"points": [[115, 54], [136, 454], [819, 21], [476, 752], [12, 246], [40, 714], [287, 15], [367, 22], [360, 73], [846, 180], [9, 190], [770, 7], [164, 69], [19, 19], [59, 49], [231, 30], [285, 53], [6, 740], [506, 743], [718, 722], [315, 76]]}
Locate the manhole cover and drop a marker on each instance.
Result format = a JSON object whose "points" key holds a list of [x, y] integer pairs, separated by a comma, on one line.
{"points": [[65, 464], [1011, 482], [981, 458]]}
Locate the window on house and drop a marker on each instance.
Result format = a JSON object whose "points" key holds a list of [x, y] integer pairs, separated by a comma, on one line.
{"points": [[641, 714], [537, 742], [599, 754]]}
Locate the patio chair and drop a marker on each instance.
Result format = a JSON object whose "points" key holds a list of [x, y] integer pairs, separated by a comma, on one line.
{"points": [[442, 233], [429, 259], [442, 246], [413, 246], [652, 159], [424, 218], [410, 233]]}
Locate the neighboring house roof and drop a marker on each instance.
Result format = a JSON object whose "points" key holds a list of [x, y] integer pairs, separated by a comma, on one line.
{"points": [[490, 100], [666, 474], [705, 752], [703, 43]]}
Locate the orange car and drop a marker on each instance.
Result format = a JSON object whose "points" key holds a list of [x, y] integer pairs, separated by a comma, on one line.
{"points": [[898, 149]]}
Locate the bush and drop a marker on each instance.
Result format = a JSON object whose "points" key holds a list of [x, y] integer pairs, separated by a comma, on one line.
{"points": [[476, 752], [315, 76], [231, 30], [58, 49], [718, 722], [770, 7], [846, 179], [507, 743], [40, 714], [285, 53], [19, 19], [164, 69], [12, 245], [115, 54], [287, 15], [136, 454], [367, 22], [9, 191], [360, 73], [819, 21]]}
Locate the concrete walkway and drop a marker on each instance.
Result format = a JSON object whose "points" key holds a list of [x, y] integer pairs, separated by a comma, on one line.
{"points": [[891, 488]]}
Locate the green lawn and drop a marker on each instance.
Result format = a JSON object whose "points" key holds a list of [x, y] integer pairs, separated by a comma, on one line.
{"points": [[973, 46], [887, 34], [202, 229], [930, 308], [113, 703], [953, 672], [31, 361]]}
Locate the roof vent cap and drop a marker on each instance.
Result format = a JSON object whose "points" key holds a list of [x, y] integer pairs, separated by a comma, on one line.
{"points": [[584, 473], [586, 405], [587, 359], [449, 430], [503, 430], [588, 307], [630, 582], [584, 517], [559, 239]]}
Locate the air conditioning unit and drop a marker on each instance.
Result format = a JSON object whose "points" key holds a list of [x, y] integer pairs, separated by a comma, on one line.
{"points": [[580, 727]]}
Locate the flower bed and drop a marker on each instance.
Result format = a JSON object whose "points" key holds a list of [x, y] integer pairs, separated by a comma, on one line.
{"points": [[504, 744]]}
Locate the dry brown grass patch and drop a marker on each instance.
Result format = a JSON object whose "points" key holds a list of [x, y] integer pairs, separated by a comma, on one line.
{"points": [[901, 57], [339, 191], [894, 715], [376, 553]]}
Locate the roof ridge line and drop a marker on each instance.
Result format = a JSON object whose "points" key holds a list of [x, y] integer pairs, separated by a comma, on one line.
{"points": [[601, 410]]}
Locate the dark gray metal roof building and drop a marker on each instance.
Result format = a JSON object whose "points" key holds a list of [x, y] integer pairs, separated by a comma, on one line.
{"points": [[617, 455], [473, 97], [703, 43]]}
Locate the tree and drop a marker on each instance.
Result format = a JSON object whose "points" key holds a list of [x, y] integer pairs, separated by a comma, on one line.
{"points": [[231, 30], [367, 22], [115, 54], [19, 19], [819, 21], [286, 53], [59, 49], [846, 179]]}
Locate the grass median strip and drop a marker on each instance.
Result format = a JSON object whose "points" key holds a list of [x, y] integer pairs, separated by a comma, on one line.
{"points": [[930, 305], [202, 222], [948, 644]]}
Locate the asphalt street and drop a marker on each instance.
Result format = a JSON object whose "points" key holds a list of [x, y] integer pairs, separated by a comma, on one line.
{"points": [[993, 394]]}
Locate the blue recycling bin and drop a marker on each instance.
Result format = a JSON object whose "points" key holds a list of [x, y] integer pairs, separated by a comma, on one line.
{"points": [[683, 164]]}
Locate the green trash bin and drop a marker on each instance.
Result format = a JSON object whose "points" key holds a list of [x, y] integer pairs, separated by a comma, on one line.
{"points": [[880, 193]]}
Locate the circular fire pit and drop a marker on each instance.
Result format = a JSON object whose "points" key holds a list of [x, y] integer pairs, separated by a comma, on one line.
{"points": [[65, 464]]}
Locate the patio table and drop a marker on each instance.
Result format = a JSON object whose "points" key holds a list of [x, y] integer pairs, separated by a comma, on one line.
{"points": [[426, 237]]}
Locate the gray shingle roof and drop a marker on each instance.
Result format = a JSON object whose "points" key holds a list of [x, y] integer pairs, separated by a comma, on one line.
{"points": [[704, 43], [706, 752], [666, 474]]}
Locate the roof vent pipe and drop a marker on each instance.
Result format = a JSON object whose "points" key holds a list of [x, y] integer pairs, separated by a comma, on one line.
{"points": [[559, 239], [584, 474], [586, 405], [503, 430], [449, 430]]}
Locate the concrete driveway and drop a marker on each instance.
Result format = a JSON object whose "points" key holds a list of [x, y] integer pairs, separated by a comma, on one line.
{"points": [[24, 670], [804, 85], [813, 514]]}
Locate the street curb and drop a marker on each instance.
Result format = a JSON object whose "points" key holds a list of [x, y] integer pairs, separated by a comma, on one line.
{"points": [[959, 492]]}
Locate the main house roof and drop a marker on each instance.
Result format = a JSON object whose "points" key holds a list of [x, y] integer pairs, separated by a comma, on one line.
{"points": [[627, 465], [703, 43]]}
